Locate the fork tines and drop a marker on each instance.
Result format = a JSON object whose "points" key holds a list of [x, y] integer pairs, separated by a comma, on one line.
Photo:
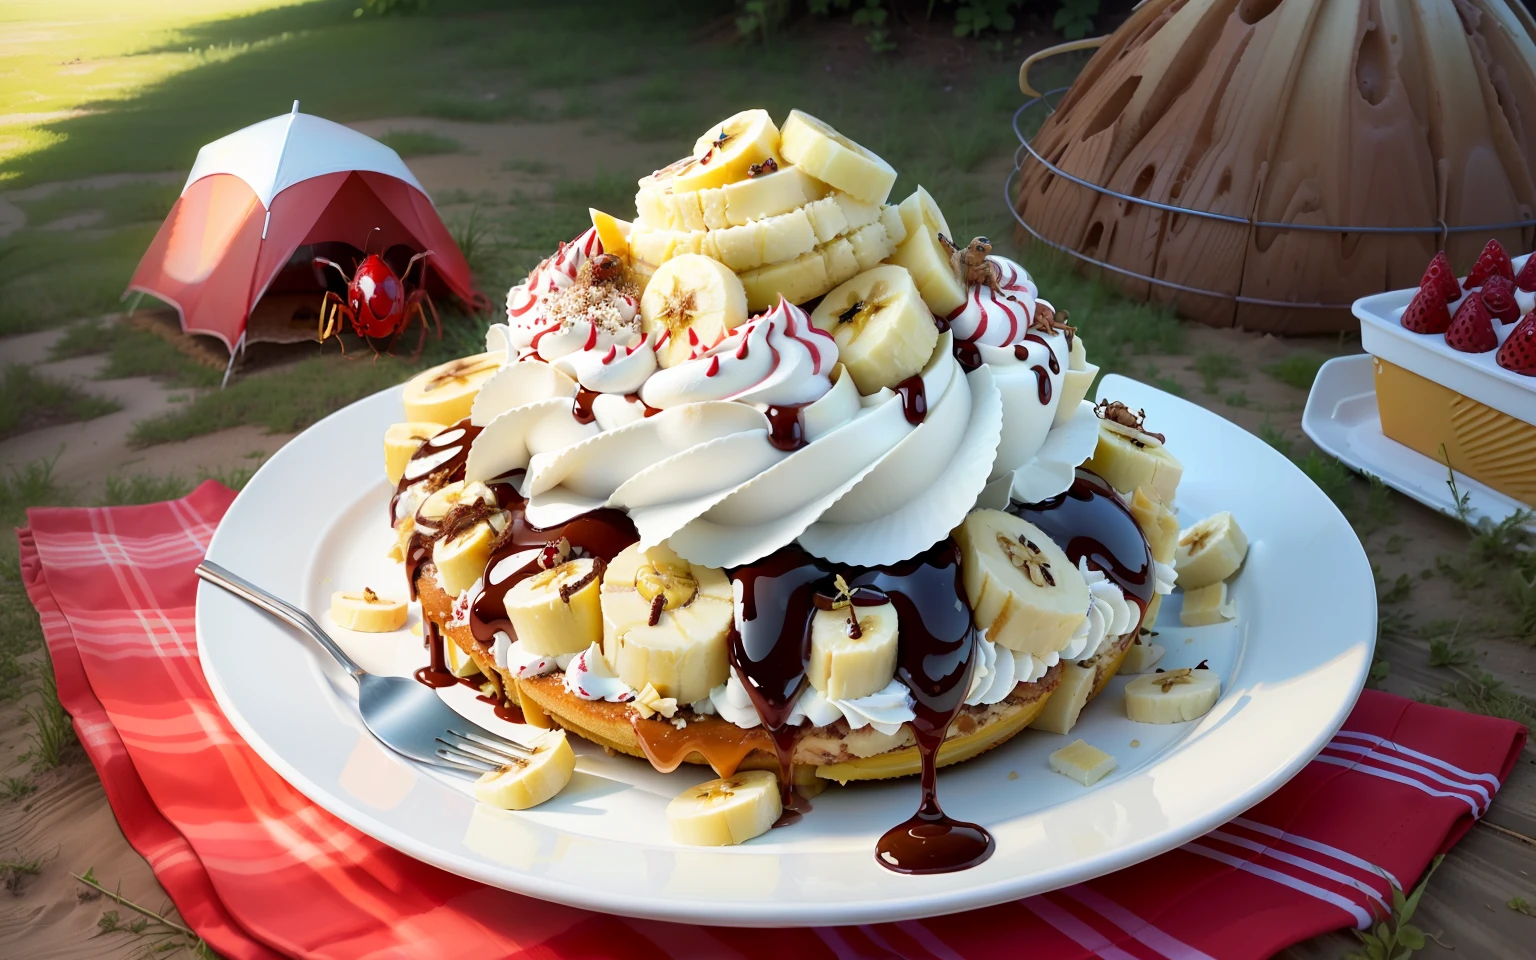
{"points": [[481, 754]]}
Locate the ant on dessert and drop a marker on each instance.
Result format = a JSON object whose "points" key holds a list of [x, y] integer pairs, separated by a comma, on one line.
{"points": [[377, 304]]}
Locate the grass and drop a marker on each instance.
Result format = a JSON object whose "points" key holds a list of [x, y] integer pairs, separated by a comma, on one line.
{"points": [[16, 788], [13, 869], [30, 401], [161, 935], [52, 734], [283, 401], [132, 352], [1298, 369], [137, 488], [121, 205], [52, 277], [1213, 368], [420, 143]]}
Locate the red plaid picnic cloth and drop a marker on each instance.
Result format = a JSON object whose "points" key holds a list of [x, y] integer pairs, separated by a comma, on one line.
{"points": [[260, 871]]}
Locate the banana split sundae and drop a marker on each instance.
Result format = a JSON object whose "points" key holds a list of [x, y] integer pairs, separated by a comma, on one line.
{"points": [[780, 478]]}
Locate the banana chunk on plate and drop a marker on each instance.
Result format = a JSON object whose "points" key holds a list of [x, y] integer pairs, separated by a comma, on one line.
{"points": [[1172, 696], [729, 810], [1210, 551], [1083, 762], [529, 781], [1207, 606], [367, 612], [445, 393]]}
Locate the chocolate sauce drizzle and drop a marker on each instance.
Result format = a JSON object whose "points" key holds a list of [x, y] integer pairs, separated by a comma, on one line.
{"points": [[914, 399], [936, 658], [967, 354], [771, 649], [785, 431], [1090, 520], [459, 437]]}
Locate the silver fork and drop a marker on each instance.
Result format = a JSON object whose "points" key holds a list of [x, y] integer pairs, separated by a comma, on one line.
{"points": [[406, 716]]}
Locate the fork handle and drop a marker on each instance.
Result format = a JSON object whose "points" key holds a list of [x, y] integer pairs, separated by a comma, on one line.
{"points": [[279, 608]]}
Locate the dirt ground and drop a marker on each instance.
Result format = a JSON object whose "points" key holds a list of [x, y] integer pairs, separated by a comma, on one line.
{"points": [[68, 822]]}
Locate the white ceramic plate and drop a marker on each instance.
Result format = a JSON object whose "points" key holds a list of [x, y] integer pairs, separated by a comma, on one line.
{"points": [[1341, 418], [313, 520]]}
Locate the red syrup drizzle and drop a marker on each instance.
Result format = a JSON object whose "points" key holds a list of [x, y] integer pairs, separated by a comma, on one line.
{"points": [[785, 431], [1091, 521], [769, 648], [914, 399], [935, 662], [581, 407]]}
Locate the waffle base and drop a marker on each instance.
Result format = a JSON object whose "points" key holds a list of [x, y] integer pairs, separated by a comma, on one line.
{"points": [[829, 751]]}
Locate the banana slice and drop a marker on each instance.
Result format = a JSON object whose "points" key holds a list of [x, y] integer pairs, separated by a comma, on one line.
{"points": [[611, 231], [730, 810], [801, 279], [773, 240], [870, 246], [1172, 696], [690, 303], [832, 158], [1141, 657], [1210, 551], [461, 560], [1075, 381], [1207, 605], [840, 261], [1129, 458], [655, 206], [450, 495], [1023, 590], [1083, 762], [844, 666], [558, 611], [401, 441], [1067, 700], [445, 393], [665, 622], [528, 782], [460, 664], [727, 151], [927, 252], [895, 227], [367, 612], [884, 332], [769, 195]]}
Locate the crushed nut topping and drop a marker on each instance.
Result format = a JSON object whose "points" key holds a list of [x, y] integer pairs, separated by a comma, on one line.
{"points": [[1167, 681], [369, 596], [1030, 559], [758, 169], [649, 702]]}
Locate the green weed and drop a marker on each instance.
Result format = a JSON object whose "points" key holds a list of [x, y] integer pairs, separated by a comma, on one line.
{"points": [[14, 788], [1450, 652], [129, 203], [163, 936], [1216, 367], [283, 401], [12, 870], [84, 339], [30, 401], [1396, 938], [1486, 695], [52, 734], [1298, 369], [420, 143], [142, 488], [530, 167]]}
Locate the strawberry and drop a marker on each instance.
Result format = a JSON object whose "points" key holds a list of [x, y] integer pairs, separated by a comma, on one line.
{"points": [[1472, 328], [1519, 351], [1492, 262], [1427, 312], [1441, 277], [1499, 297], [1526, 278]]}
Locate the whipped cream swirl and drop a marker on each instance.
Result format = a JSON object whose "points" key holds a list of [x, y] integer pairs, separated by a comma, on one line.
{"points": [[590, 677], [777, 358], [884, 710], [551, 276], [997, 317], [1110, 615]]}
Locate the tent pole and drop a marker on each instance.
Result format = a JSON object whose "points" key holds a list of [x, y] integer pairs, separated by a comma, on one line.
{"points": [[234, 354], [138, 296]]}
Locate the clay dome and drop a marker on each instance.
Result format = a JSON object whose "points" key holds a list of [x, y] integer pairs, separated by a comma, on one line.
{"points": [[1418, 115]]}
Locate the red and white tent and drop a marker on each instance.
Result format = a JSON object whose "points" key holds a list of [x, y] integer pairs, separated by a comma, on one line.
{"points": [[258, 195]]}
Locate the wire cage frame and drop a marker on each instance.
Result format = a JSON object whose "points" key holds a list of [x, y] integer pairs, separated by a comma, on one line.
{"points": [[1026, 152]]}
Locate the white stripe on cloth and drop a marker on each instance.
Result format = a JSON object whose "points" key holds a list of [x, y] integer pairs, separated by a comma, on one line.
{"points": [[1075, 929], [929, 941], [1317, 846], [1361, 767], [1427, 758], [1264, 849], [1362, 917], [1481, 791], [840, 947], [1163, 942]]}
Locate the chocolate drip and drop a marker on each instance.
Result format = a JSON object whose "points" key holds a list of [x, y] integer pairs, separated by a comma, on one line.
{"points": [[601, 534], [967, 354], [1091, 521], [785, 431], [935, 662], [914, 400], [436, 672], [770, 645], [581, 407], [1042, 384], [449, 471], [1036, 338]]}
